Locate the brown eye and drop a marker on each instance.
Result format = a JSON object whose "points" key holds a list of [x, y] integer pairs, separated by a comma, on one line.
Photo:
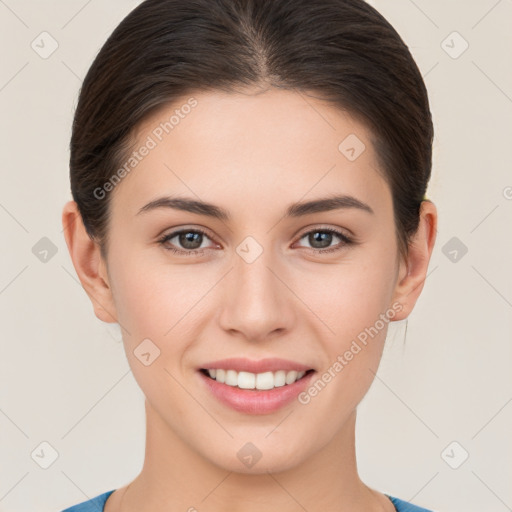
{"points": [[188, 241], [320, 240]]}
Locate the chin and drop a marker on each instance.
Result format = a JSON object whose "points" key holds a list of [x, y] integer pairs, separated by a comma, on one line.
{"points": [[252, 458]]}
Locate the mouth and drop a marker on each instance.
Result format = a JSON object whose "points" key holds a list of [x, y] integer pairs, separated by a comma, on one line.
{"points": [[255, 386], [255, 393], [255, 381]]}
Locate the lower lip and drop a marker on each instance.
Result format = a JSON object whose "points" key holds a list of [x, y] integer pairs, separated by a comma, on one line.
{"points": [[254, 401]]}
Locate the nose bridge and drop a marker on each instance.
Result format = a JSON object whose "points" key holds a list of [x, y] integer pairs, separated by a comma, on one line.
{"points": [[256, 302]]}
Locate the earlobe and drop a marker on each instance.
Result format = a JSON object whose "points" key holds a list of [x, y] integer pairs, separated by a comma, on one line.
{"points": [[89, 265], [413, 273]]}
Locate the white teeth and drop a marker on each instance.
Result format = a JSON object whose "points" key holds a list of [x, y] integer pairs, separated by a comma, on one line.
{"points": [[291, 377], [265, 380], [248, 380], [231, 378], [279, 378]]}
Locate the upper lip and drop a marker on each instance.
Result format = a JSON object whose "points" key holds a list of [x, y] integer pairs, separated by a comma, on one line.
{"points": [[242, 364]]}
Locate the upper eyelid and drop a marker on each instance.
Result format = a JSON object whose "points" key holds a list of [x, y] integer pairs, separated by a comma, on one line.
{"points": [[178, 231], [201, 230], [336, 230]]}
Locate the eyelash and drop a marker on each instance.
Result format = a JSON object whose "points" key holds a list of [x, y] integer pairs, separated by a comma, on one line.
{"points": [[346, 241]]}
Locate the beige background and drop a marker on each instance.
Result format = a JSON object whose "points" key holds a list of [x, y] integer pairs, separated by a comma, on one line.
{"points": [[64, 376]]}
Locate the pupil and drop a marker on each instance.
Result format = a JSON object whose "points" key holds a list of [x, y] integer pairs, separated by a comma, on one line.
{"points": [[189, 240], [320, 236]]}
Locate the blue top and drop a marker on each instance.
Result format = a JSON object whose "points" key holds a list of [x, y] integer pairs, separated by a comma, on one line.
{"points": [[97, 504]]}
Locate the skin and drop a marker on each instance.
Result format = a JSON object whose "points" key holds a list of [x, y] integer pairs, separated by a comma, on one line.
{"points": [[253, 154]]}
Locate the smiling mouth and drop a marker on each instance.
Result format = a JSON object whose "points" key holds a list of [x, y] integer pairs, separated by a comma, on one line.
{"points": [[255, 381]]}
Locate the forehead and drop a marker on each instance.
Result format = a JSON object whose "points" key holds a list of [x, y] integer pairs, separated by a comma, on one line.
{"points": [[259, 148]]}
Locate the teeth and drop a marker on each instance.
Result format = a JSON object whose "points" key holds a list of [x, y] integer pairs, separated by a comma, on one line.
{"points": [[247, 380], [231, 378], [291, 377]]}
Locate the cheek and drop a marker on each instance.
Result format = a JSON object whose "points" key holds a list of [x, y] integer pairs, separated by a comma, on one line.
{"points": [[152, 304], [354, 309], [166, 305], [354, 301], [157, 301], [349, 297], [153, 300]]}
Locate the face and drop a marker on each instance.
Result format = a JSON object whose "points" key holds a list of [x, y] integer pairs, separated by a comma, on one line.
{"points": [[313, 286]]}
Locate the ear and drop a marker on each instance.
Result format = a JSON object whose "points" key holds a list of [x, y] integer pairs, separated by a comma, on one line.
{"points": [[413, 271], [89, 264]]}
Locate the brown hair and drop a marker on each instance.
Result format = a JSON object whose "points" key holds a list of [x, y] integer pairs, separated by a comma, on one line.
{"points": [[343, 51]]}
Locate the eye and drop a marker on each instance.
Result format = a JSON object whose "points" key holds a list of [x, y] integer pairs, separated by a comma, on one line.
{"points": [[321, 239], [191, 241]]}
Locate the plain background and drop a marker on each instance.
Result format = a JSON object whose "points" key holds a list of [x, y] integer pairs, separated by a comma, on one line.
{"points": [[64, 376]]}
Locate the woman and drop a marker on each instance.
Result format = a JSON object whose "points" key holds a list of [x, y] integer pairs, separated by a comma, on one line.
{"points": [[249, 183]]}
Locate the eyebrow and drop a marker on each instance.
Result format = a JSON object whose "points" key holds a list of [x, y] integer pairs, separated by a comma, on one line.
{"points": [[295, 210]]}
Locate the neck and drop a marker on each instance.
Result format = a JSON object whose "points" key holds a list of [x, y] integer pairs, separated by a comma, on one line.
{"points": [[175, 477]]}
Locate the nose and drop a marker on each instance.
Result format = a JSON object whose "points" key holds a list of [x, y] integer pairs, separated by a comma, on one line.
{"points": [[256, 302]]}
